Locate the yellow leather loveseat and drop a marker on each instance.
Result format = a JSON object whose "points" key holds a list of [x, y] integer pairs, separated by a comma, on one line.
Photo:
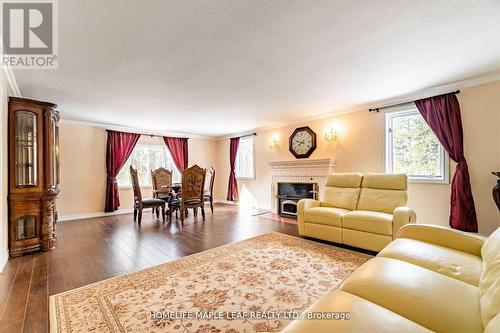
{"points": [[365, 211], [429, 279]]}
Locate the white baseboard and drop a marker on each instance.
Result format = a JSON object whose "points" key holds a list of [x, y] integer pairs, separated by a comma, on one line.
{"points": [[82, 216], [3, 260], [226, 202], [65, 218]]}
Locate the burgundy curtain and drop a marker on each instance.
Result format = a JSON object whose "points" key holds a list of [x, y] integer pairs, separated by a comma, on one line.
{"points": [[232, 189], [119, 147], [442, 113], [179, 149]]}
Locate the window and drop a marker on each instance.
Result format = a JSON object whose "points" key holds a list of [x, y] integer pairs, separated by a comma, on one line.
{"points": [[245, 167], [145, 158], [412, 148]]}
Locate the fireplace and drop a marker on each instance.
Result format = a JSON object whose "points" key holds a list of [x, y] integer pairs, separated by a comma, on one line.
{"points": [[290, 193], [298, 171]]}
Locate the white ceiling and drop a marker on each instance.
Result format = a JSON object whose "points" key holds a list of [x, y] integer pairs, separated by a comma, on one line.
{"points": [[220, 67]]}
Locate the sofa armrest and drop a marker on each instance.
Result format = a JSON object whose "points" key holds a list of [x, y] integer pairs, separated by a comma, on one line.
{"points": [[402, 216], [442, 236], [302, 205]]}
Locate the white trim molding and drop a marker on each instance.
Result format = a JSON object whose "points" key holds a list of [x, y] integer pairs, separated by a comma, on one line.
{"points": [[83, 216], [9, 76], [3, 261], [11, 82], [226, 202], [139, 130], [253, 176], [408, 109]]}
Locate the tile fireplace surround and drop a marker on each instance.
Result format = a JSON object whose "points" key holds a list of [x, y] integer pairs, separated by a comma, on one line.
{"points": [[299, 171]]}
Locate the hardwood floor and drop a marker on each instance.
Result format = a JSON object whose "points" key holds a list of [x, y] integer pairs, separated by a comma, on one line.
{"points": [[91, 250]]}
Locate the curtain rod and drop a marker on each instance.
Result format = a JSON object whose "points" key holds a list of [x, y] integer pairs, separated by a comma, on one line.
{"points": [[401, 103], [244, 136], [150, 135]]}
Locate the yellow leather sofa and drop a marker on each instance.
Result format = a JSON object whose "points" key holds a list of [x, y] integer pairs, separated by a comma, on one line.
{"points": [[430, 279], [365, 211]]}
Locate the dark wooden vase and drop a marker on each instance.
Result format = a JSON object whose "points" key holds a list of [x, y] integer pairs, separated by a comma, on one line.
{"points": [[496, 190]]}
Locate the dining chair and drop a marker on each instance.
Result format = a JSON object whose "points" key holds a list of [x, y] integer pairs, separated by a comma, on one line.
{"points": [[193, 183], [174, 205], [208, 196], [139, 202], [160, 178]]}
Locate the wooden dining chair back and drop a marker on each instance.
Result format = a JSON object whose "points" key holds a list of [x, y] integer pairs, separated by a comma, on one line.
{"points": [[193, 184], [134, 178], [139, 202], [160, 178], [209, 188]]}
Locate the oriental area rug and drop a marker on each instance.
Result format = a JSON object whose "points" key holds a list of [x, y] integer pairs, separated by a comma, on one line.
{"points": [[249, 286]]}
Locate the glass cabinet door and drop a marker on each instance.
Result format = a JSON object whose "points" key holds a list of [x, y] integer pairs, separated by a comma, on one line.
{"points": [[25, 227], [57, 159], [26, 154], [54, 152]]}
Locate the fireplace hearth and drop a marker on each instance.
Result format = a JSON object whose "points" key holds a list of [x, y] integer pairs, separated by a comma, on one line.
{"points": [[290, 193]]}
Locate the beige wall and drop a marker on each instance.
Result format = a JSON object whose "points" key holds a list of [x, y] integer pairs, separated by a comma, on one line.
{"points": [[83, 167], [481, 122], [360, 148], [82, 152], [4, 245]]}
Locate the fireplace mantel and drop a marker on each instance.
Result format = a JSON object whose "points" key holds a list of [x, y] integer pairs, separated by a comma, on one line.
{"points": [[318, 167], [299, 171]]}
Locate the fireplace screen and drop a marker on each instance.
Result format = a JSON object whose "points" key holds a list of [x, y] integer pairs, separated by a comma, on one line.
{"points": [[289, 207], [290, 193], [296, 190]]}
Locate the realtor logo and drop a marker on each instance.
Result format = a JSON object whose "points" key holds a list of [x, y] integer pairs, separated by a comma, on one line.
{"points": [[29, 34]]}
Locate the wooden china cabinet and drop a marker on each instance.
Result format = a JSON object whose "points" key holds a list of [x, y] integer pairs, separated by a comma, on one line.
{"points": [[33, 175]]}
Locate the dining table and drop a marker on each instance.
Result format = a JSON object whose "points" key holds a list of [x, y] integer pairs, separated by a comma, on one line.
{"points": [[170, 194], [176, 187]]}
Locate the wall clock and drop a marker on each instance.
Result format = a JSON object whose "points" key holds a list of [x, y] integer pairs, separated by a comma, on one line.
{"points": [[302, 142]]}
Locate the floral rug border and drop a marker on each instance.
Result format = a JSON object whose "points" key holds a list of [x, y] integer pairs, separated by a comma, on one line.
{"points": [[57, 305]]}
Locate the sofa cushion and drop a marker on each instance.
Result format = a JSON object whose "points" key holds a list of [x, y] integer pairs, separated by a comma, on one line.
{"points": [[341, 197], [444, 236], [365, 316], [342, 190], [325, 215], [455, 264], [374, 222], [385, 181], [430, 299], [493, 325], [489, 282], [383, 192], [381, 200], [324, 232], [365, 240], [352, 180]]}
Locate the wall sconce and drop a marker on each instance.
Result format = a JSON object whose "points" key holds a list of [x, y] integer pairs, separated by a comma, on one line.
{"points": [[274, 143], [331, 135]]}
